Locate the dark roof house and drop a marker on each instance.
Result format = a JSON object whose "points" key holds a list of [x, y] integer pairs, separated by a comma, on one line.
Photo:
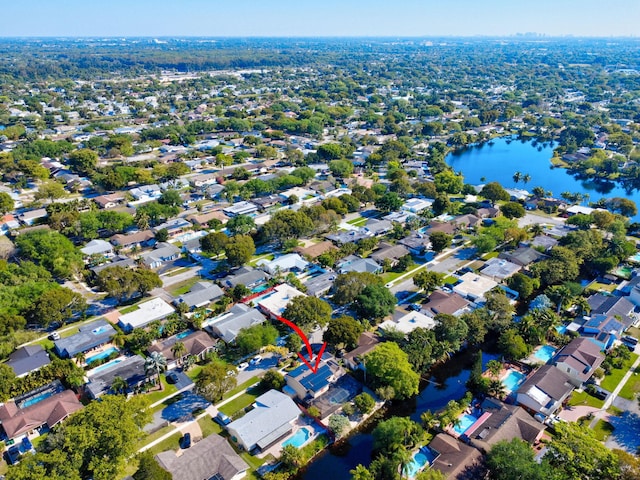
{"points": [[579, 359], [28, 359], [89, 336]]}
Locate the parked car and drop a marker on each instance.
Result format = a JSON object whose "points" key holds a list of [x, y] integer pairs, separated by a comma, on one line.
{"points": [[629, 342], [222, 419], [172, 377], [26, 444], [243, 365], [186, 440], [12, 455], [54, 336], [256, 360], [414, 307], [601, 394]]}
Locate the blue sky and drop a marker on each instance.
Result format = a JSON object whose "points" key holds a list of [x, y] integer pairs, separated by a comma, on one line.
{"points": [[285, 18]]}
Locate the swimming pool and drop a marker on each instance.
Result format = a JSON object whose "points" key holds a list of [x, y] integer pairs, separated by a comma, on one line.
{"points": [[181, 335], [464, 423], [513, 380], [44, 393], [259, 288], [299, 438], [101, 355], [106, 366], [99, 330], [545, 353], [418, 462], [635, 258], [561, 329]]}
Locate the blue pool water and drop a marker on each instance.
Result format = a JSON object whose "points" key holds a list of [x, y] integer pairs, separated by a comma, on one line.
{"points": [[299, 438], [38, 398], [101, 355], [181, 335], [106, 365], [545, 353], [260, 288], [419, 460], [513, 380], [465, 422], [635, 258], [561, 329]]}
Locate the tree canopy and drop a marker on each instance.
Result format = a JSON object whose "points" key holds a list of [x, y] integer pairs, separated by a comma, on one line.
{"points": [[388, 366]]}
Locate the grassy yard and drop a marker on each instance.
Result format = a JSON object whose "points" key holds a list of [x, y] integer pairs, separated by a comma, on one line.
{"points": [[154, 436], [357, 222], [634, 332], [632, 387], [490, 255], [167, 389], [257, 258], [193, 372], [390, 276], [611, 381], [601, 286], [602, 430], [241, 402], [177, 271], [241, 387], [208, 426], [181, 288], [171, 443], [583, 398], [129, 309]]}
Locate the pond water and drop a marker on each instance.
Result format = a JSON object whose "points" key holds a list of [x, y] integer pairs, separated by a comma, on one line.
{"points": [[447, 382], [498, 162]]}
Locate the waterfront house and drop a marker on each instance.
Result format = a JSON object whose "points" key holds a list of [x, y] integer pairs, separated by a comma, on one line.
{"points": [[545, 390], [130, 369], [453, 458], [579, 359], [366, 343], [270, 420], [306, 385]]}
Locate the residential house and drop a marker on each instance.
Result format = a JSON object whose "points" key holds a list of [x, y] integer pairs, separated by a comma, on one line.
{"points": [[138, 239], [474, 287], [111, 200], [147, 312], [8, 222], [602, 330], [196, 344], [444, 227], [145, 193], [543, 242], [417, 205], [353, 263], [409, 322], [89, 336], [118, 261], [210, 458], [417, 243], [201, 294], [270, 420], [498, 421], [163, 252], [203, 219], [48, 412], [306, 385], [240, 208], [579, 359], [320, 284], [315, 250], [214, 191], [443, 302], [227, 325], [291, 262], [618, 307], [28, 359], [377, 227], [487, 212], [274, 304], [247, 276], [97, 247], [268, 202], [453, 458], [174, 227], [352, 236], [31, 217], [390, 253], [523, 256], [130, 369], [499, 268], [465, 222], [366, 343], [545, 390]]}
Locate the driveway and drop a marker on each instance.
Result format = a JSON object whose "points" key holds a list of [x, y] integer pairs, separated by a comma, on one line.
{"points": [[267, 363], [183, 380]]}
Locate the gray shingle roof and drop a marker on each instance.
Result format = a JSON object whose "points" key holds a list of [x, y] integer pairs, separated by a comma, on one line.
{"points": [[89, 336], [28, 359]]}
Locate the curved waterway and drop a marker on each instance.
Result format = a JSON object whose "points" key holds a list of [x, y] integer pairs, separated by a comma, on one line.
{"points": [[498, 160]]}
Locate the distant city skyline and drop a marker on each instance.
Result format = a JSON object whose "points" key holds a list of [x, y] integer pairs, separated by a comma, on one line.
{"points": [[325, 18]]}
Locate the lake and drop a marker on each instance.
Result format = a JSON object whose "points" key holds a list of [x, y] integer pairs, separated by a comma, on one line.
{"points": [[446, 382], [497, 162]]}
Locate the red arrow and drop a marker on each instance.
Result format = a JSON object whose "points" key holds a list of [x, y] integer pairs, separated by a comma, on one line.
{"points": [[301, 334]]}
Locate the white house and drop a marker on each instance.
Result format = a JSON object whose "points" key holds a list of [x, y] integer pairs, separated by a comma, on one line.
{"points": [[155, 309]]}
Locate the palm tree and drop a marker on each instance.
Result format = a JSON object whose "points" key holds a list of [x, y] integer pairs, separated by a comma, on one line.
{"points": [[526, 178], [428, 419], [536, 229], [80, 358], [119, 385], [188, 362], [119, 339], [494, 367], [179, 351], [582, 305], [517, 177], [403, 457], [496, 388], [154, 364]]}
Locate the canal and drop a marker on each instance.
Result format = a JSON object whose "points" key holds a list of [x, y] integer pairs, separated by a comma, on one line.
{"points": [[446, 382]]}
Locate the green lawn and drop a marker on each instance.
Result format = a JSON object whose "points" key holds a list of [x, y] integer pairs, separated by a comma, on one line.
{"points": [[241, 402], [177, 271], [181, 288], [167, 389], [634, 332], [257, 258], [601, 286], [611, 381], [357, 222], [241, 387], [154, 436], [602, 430], [194, 371], [390, 276], [583, 398], [490, 255], [129, 309], [171, 443], [208, 426], [632, 387]]}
